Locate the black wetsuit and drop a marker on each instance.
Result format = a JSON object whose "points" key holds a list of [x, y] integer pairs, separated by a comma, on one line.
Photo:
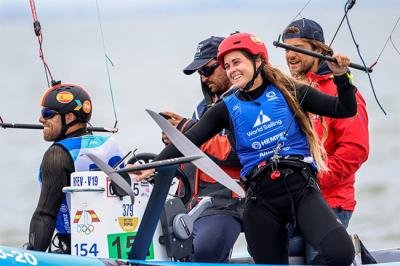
{"points": [[57, 166], [294, 197]]}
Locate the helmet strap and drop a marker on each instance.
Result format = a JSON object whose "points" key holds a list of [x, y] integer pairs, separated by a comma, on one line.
{"points": [[257, 72], [65, 127]]}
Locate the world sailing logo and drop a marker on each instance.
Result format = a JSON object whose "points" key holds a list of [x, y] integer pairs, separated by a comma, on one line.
{"points": [[261, 119], [263, 124]]}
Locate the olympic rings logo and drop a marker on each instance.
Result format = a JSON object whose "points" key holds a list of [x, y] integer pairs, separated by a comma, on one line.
{"points": [[85, 229]]}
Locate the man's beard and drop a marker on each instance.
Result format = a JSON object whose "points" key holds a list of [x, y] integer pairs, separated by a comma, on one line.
{"points": [[304, 69]]}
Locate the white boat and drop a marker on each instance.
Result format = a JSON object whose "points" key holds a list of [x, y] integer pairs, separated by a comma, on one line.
{"points": [[114, 224]]}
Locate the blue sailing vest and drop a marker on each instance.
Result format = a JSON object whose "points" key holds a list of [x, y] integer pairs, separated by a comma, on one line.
{"points": [[103, 146], [258, 126]]}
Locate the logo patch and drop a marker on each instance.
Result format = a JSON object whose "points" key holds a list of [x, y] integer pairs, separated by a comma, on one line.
{"points": [[198, 53], [271, 96], [64, 208], [84, 220], [261, 119], [256, 39], [93, 216], [128, 224], [64, 97], [78, 105], [87, 107], [256, 145]]}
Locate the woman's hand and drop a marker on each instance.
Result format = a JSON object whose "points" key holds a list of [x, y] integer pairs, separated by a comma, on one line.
{"points": [[339, 68]]}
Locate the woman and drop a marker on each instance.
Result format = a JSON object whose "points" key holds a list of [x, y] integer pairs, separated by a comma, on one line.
{"points": [[278, 149]]}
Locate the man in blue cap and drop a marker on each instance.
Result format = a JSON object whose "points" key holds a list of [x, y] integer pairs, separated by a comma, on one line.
{"points": [[217, 229], [214, 81], [346, 141]]}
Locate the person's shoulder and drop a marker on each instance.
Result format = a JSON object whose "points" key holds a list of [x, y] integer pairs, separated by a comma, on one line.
{"points": [[55, 151], [200, 109], [202, 103], [56, 147], [55, 159], [229, 92]]}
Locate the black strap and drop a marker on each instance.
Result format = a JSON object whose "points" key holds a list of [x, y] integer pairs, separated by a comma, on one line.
{"points": [[292, 207], [304, 169], [63, 245], [251, 196]]}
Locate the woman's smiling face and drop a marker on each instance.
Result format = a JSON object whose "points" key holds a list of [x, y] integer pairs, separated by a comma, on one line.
{"points": [[240, 70]]}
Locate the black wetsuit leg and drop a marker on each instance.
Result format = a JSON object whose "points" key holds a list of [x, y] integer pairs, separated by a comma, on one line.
{"points": [[267, 215], [323, 230], [265, 233]]}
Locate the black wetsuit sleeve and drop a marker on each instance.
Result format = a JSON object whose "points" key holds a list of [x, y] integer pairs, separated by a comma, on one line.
{"points": [[319, 103], [211, 123], [57, 165]]}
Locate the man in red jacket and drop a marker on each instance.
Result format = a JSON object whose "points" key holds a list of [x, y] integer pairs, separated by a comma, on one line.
{"points": [[346, 140]]}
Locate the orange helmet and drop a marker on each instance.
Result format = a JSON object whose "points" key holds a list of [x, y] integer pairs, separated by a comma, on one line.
{"points": [[242, 41]]}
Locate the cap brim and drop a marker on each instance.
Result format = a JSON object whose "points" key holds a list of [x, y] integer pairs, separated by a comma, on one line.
{"points": [[195, 65]]}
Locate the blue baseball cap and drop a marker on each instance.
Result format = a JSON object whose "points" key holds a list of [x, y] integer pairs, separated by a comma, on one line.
{"points": [[206, 50], [308, 29]]}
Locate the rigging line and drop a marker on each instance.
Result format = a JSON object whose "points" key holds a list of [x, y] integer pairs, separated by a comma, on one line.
{"points": [[387, 40], [107, 59], [337, 30], [301, 10], [362, 60], [39, 35], [394, 46], [349, 4]]}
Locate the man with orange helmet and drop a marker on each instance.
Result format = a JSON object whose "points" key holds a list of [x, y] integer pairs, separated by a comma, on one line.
{"points": [[66, 110]]}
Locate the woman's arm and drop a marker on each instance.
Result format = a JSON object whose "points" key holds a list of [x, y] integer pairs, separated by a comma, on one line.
{"points": [[316, 102], [211, 123]]}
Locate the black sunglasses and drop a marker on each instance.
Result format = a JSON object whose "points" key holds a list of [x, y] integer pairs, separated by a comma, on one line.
{"points": [[208, 70], [48, 113]]}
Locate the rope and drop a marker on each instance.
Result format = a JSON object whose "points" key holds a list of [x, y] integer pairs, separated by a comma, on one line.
{"points": [[362, 60], [394, 46], [387, 40], [301, 10], [107, 59], [38, 32]]}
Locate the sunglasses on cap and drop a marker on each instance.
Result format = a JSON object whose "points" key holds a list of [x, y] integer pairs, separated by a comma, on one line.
{"points": [[48, 113], [208, 70]]}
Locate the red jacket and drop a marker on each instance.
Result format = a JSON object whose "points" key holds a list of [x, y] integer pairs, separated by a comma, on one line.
{"points": [[347, 147]]}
